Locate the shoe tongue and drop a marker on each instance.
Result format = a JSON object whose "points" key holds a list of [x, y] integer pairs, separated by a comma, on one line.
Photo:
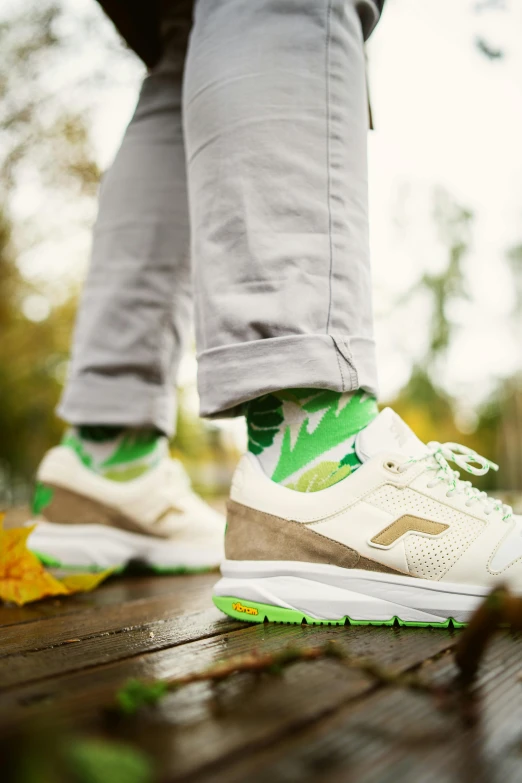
{"points": [[388, 432]]}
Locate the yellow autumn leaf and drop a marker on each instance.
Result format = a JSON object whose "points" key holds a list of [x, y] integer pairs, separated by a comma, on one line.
{"points": [[23, 578], [84, 583]]}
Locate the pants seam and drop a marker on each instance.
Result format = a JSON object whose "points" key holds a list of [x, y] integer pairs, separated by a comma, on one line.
{"points": [[341, 344], [340, 368], [354, 375], [328, 160]]}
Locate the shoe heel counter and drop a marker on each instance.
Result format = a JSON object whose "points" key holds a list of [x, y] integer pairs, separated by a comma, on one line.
{"points": [[59, 462], [246, 538], [249, 480], [238, 480], [233, 532]]}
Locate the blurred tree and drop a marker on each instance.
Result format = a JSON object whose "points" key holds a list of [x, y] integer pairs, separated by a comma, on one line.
{"points": [[454, 226], [441, 289], [32, 365], [509, 396], [36, 130], [428, 407], [492, 52], [36, 136], [514, 259], [425, 404], [486, 49]]}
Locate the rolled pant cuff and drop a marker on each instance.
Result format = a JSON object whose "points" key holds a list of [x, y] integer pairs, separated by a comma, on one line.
{"points": [[230, 376], [119, 401]]}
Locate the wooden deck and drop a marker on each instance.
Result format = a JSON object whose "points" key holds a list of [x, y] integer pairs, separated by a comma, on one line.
{"points": [[65, 659]]}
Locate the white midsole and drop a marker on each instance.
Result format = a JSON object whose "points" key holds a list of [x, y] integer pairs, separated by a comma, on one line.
{"points": [[330, 592], [108, 547]]}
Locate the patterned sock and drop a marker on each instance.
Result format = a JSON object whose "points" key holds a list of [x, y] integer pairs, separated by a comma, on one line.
{"points": [[304, 438], [117, 453]]}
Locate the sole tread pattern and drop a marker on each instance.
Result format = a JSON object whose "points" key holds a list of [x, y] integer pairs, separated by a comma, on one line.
{"points": [[253, 612]]}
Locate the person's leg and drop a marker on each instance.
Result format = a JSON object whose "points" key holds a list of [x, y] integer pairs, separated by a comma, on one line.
{"points": [[276, 120], [110, 493], [136, 301], [276, 141]]}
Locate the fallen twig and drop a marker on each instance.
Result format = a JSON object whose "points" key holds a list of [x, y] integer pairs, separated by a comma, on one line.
{"points": [[137, 693], [498, 609]]}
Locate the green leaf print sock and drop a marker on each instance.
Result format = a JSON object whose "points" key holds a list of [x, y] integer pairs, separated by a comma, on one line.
{"points": [[304, 438], [117, 453]]}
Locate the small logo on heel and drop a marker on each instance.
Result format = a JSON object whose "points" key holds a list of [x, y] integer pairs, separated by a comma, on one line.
{"points": [[238, 607]]}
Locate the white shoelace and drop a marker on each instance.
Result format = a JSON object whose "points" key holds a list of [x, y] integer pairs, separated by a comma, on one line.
{"points": [[440, 453]]}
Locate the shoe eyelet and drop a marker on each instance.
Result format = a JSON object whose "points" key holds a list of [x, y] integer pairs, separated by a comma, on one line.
{"points": [[391, 466]]}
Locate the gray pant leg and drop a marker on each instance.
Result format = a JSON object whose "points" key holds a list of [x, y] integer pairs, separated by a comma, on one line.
{"points": [[137, 297], [276, 119]]}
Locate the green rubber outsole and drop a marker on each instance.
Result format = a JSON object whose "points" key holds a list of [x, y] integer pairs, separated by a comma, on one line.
{"points": [[136, 567], [253, 612]]}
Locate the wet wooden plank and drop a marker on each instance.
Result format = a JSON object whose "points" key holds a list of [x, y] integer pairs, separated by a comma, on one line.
{"points": [[102, 647], [56, 645], [187, 596], [247, 716], [396, 735], [202, 726], [397, 648], [115, 592], [316, 721]]}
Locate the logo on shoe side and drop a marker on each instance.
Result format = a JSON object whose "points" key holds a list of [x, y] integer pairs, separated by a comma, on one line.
{"points": [[238, 607], [399, 431], [407, 524]]}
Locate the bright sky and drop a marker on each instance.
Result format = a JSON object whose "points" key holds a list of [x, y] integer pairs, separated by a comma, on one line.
{"points": [[445, 116]]}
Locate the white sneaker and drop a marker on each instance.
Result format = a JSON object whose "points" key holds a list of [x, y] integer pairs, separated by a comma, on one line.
{"points": [[401, 540], [92, 522]]}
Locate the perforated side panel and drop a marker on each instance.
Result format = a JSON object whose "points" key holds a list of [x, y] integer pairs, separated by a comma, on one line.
{"points": [[429, 558]]}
